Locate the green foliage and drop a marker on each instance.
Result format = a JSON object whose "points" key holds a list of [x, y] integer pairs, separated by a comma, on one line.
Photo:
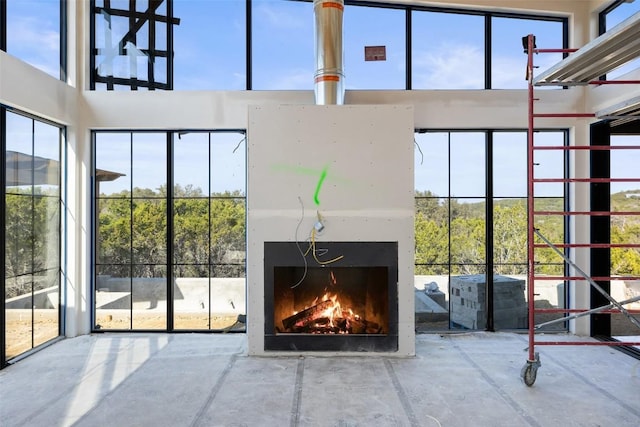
{"points": [[32, 231], [209, 233], [466, 250]]}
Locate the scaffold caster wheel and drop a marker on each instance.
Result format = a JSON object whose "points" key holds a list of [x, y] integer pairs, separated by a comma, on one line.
{"points": [[530, 369]]}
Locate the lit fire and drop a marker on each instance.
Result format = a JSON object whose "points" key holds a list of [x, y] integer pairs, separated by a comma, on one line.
{"points": [[327, 315], [333, 318]]}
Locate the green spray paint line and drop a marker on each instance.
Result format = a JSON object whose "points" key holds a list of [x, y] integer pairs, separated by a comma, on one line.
{"points": [[323, 175], [299, 170]]}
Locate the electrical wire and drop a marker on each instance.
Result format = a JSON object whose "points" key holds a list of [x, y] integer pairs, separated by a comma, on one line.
{"points": [[303, 254], [238, 146], [420, 150], [315, 252]]}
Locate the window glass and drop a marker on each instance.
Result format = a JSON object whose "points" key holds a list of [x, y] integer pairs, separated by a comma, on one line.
{"points": [[625, 229], [32, 252], [467, 165], [451, 228], [33, 33], [509, 164], [149, 157], [228, 163], [447, 51], [277, 24], [191, 162], [374, 26], [621, 12], [508, 61], [209, 44], [549, 164], [624, 163], [206, 235], [130, 50], [616, 16], [432, 163], [113, 163]]}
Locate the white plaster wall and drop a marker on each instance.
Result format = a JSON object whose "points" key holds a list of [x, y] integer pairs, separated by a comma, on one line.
{"points": [[28, 89], [367, 195]]}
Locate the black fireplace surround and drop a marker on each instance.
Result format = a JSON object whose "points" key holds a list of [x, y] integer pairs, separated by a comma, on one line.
{"points": [[297, 283]]}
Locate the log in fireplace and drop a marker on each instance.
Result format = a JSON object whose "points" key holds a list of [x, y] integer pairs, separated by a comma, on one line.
{"points": [[331, 296]]}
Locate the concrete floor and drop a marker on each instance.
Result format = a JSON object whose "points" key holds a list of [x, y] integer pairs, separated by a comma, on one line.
{"points": [[207, 380]]}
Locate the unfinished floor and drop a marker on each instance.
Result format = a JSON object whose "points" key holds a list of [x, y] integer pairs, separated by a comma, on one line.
{"points": [[207, 380]]}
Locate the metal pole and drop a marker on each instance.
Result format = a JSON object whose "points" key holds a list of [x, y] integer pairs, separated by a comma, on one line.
{"points": [[530, 200]]}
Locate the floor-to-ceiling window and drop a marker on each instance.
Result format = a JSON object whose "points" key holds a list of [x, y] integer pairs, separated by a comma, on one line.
{"points": [[169, 230], [471, 226], [625, 229], [31, 199]]}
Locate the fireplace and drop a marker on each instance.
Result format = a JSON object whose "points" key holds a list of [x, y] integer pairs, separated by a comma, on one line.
{"points": [[331, 296]]}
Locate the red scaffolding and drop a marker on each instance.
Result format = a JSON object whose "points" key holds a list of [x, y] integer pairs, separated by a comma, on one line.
{"points": [[537, 241]]}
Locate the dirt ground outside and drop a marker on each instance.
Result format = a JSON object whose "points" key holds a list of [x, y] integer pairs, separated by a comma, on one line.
{"points": [[22, 337]]}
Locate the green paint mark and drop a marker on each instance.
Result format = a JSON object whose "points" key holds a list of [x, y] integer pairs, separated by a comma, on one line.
{"points": [[295, 169], [323, 175]]}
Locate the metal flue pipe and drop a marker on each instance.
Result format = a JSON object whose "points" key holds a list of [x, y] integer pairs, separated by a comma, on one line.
{"points": [[329, 77]]}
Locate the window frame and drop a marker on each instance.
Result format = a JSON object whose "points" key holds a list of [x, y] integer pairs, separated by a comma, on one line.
{"points": [[170, 198], [409, 43], [489, 199], [133, 82], [62, 32], [61, 227]]}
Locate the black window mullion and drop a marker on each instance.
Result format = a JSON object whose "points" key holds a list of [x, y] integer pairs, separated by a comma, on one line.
{"points": [[489, 230], [33, 229], [449, 214], [3, 174], [169, 45], [408, 48], [566, 194], [133, 39], [209, 242], [170, 232], [3, 25], [63, 40], [151, 49], [248, 24], [487, 51], [92, 42], [131, 260]]}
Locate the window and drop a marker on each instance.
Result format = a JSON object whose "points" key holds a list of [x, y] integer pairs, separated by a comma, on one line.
{"points": [[238, 45], [447, 51], [170, 230], [508, 62], [31, 238], [277, 24], [471, 219], [132, 44], [210, 45], [612, 16], [625, 230], [374, 26], [34, 33]]}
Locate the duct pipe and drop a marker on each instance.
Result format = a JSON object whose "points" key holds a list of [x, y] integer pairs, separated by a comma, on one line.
{"points": [[329, 78]]}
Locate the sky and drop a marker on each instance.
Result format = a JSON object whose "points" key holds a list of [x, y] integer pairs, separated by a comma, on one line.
{"points": [[448, 51]]}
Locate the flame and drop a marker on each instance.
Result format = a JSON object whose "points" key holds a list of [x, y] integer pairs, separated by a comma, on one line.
{"points": [[334, 313], [335, 317]]}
